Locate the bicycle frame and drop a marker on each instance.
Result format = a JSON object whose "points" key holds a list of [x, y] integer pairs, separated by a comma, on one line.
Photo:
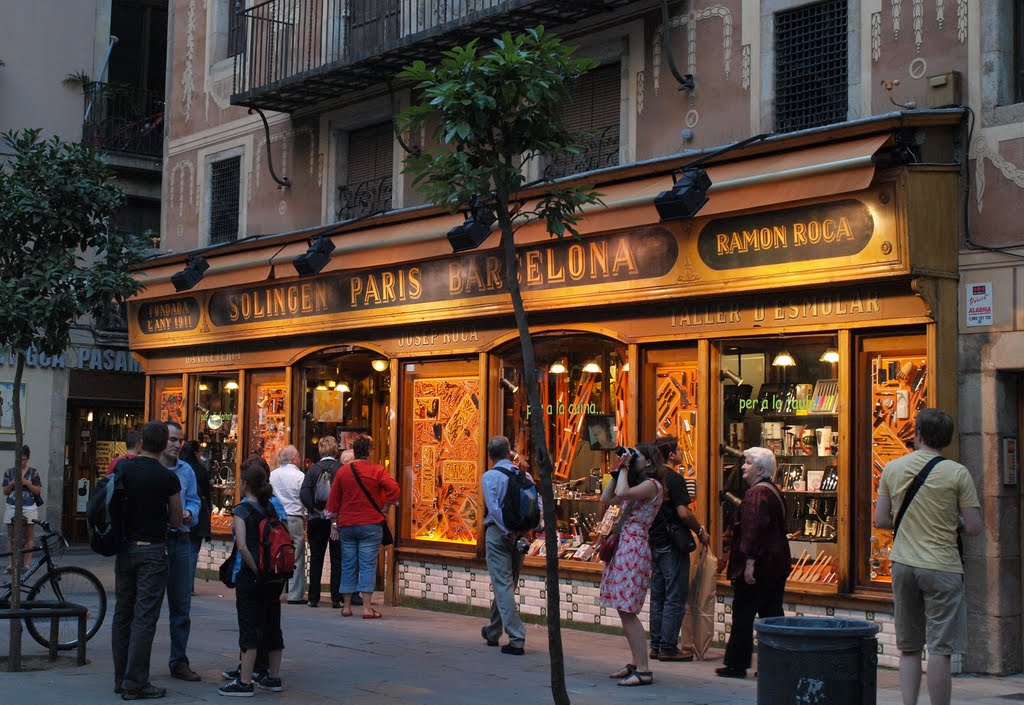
{"points": [[46, 558]]}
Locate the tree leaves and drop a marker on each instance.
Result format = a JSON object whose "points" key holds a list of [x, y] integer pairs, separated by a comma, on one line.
{"points": [[59, 257]]}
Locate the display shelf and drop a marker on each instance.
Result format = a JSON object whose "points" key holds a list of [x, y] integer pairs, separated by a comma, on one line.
{"points": [[814, 493]]}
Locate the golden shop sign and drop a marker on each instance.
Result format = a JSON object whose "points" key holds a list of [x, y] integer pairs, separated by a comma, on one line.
{"points": [[169, 316], [817, 232], [606, 259]]}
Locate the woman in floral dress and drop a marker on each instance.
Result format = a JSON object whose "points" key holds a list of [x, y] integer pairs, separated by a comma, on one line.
{"points": [[637, 485]]}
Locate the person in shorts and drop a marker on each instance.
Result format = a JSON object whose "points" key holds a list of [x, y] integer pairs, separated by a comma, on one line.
{"points": [[31, 490], [927, 571]]}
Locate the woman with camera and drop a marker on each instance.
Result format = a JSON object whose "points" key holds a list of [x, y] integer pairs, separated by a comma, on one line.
{"points": [[759, 560], [636, 486]]}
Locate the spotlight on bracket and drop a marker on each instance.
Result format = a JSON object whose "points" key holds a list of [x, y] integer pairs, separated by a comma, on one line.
{"points": [[472, 233], [315, 258], [192, 274], [686, 197], [731, 376]]}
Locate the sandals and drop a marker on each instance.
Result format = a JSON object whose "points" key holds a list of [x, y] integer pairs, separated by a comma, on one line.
{"points": [[624, 672], [346, 612], [374, 614], [637, 678]]}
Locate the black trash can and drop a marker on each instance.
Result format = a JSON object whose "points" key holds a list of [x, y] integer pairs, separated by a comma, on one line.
{"points": [[816, 661]]}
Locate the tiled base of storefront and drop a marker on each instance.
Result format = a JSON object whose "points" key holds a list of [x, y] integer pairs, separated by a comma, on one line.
{"points": [[467, 589]]}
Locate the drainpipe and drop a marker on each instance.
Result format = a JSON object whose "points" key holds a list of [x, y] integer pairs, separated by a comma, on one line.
{"points": [[99, 79]]}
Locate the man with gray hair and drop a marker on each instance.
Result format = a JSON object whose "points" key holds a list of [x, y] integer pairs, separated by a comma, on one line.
{"points": [[286, 480], [504, 558]]}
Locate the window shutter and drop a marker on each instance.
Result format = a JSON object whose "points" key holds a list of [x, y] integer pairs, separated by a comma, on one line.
{"points": [[592, 106], [370, 153]]}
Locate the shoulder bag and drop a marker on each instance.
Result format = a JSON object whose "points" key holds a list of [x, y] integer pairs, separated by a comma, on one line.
{"points": [[386, 538], [916, 485], [606, 549]]}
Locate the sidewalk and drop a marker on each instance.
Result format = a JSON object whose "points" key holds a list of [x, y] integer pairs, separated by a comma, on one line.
{"points": [[411, 657]]}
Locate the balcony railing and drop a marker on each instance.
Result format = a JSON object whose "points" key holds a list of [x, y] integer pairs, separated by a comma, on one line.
{"points": [[301, 52], [597, 150], [364, 198], [123, 119]]}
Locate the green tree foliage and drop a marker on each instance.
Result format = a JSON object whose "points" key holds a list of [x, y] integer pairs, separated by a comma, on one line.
{"points": [[492, 113], [59, 261]]}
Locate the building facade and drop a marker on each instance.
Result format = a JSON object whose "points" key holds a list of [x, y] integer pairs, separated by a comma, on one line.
{"points": [[842, 240], [102, 85]]}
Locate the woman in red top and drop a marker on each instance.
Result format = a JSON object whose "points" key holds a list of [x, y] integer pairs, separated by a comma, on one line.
{"points": [[357, 488], [759, 561]]}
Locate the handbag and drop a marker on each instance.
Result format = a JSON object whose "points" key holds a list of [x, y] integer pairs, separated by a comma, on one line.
{"points": [[606, 549], [227, 568], [682, 538], [386, 537]]}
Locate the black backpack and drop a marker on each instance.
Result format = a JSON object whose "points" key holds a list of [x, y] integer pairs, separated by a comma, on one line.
{"points": [[520, 510], [105, 515]]}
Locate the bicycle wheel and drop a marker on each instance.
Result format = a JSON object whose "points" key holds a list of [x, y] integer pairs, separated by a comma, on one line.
{"points": [[68, 584]]}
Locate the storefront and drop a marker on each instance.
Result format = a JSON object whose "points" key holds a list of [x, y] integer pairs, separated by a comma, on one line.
{"points": [[811, 308]]}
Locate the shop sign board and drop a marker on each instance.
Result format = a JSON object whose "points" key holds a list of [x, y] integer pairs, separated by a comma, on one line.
{"points": [[175, 316], [609, 259], [817, 232]]}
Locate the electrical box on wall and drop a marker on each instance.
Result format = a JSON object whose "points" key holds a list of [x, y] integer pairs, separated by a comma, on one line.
{"points": [[944, 90]]}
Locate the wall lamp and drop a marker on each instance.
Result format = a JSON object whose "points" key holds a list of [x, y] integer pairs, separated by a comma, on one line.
{"points": [[689, 193], [316, 257], [731, 376], [506, 384], [472, 233], [192, 274]]}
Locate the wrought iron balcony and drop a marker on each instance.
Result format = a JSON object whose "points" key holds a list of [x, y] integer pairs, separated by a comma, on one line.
{"points": [[295, 53], [123, 119], [364, 198], [597, 151]]}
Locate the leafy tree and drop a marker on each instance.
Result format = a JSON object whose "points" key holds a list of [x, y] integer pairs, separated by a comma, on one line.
{"points": [[493, 112], [60, 261]]}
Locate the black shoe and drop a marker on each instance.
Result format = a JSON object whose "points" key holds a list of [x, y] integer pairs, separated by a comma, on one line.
{"points": [[513, 650], [118, 689], [313, 604], [146, 692], [357, 600], [336, 605], [237, 689], [296, 602], [730, 672], [232, 674], [181, 671], [267, 683], [490, 642]]}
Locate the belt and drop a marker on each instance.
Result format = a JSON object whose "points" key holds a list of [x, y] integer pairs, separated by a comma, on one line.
{"points": [[145, 543]]}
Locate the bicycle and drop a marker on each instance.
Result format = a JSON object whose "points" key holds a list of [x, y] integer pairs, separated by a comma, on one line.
{"points": [[58, 584]]}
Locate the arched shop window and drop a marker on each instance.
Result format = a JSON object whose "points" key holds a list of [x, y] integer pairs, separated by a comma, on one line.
{"points": [[584, 384]]}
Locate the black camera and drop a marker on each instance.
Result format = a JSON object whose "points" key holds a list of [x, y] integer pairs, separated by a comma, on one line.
{"points": [[522, 544]]}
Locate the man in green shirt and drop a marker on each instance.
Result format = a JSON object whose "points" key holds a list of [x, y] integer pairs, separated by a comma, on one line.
{"points": [[927, 572]]}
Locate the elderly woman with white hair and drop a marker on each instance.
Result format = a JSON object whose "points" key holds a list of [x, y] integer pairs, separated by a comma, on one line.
{"points": [[759, 561]]}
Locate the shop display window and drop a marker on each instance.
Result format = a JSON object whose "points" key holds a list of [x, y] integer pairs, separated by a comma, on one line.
{"points": [[584, 387], [168, 399], [441, 452], [345, 392], [216, 427], [267, 415], [783, 394], [896, 374]]}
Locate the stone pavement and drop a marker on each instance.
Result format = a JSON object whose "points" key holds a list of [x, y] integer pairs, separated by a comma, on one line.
{"points": [[411, 657]]}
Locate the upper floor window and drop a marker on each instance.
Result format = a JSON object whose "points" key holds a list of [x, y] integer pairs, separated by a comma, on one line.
{"points": [[811, 72], [236, 27], [592, 107], [368, 177], [225, 199]]}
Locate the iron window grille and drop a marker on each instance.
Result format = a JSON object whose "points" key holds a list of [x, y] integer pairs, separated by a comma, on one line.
{"points": [[236, 27], [368, 184], [225, 181], [592, 108], [811, 66]]}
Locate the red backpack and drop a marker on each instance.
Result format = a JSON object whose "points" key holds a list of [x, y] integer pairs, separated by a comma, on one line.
{"points": [[276, 559]]}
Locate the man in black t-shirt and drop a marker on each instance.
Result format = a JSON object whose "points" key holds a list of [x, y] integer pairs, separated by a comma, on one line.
{"points": [[153, 502], [670, 579]]}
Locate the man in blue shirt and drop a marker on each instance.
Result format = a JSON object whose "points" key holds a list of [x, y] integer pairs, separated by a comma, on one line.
{"points": [[179, 557], [503, 559]]}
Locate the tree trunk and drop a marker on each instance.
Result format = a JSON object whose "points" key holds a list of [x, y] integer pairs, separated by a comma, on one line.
{"points": [[540, 455], [17, 535]]}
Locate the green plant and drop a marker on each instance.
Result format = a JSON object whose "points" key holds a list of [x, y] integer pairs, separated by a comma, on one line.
{"points": [[78, 78], [492, 112], [60, 261]]}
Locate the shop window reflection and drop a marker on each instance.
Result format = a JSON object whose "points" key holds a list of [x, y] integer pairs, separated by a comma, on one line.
{"points": [[584, 389]]}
